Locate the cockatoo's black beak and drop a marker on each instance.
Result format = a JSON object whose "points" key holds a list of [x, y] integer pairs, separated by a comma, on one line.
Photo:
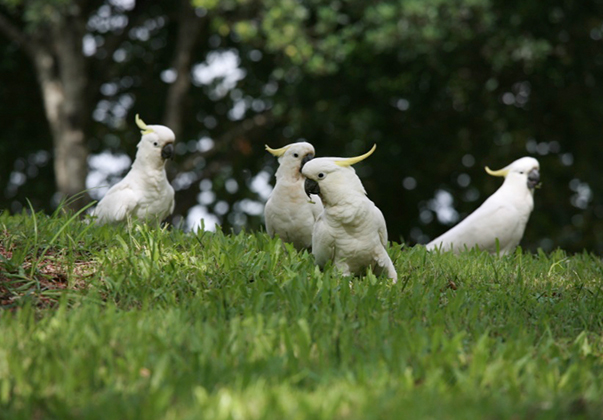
{"points": [[167, 151], [533, 178], [306, 159], [311, 187]]}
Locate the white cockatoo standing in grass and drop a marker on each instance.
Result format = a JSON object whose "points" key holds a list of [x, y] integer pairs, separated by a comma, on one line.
{"points": [[288, 212], [351, 230], [145, 192], [503, 216]]}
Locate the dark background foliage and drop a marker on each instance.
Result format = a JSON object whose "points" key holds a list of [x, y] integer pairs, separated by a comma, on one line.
{"points": [[443, 88]]}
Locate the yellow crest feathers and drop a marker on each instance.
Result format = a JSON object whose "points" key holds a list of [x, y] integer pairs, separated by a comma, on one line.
{"points": [[351, 161], [500, 172], [143, 127], [277, 152]]}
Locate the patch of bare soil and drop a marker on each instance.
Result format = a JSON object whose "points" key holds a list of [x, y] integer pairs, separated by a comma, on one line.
{"points": [[51, 274]]}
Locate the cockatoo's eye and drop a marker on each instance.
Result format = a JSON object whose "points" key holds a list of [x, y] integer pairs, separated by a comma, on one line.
{"points": [[295, 155], [521, 172], [321, 175], [155, 144]]}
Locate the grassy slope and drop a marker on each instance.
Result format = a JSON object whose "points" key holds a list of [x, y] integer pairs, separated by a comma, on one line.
{"points": [[111, 323]]}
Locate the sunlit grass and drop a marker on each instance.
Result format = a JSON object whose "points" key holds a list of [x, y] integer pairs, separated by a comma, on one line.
{"points": [[119, 322]]}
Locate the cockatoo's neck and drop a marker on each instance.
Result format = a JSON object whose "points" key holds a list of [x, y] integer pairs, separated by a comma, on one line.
{"points": [[517, 185], [341, 197], [291, 175], [516, 191], [150, 167], [343, 189]]}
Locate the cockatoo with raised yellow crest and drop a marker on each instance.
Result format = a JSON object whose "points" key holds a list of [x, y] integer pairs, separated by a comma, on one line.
{"points": [[351, 230], [288, 212], [144, 193], [502, 217]]}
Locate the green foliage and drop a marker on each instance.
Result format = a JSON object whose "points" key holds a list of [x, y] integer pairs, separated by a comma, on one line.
{"points": [[434, 83], [443, 87], [36, 12], [173, 325]]}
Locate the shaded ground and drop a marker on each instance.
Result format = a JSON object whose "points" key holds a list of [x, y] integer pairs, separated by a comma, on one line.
{"points": [[39, 278]]}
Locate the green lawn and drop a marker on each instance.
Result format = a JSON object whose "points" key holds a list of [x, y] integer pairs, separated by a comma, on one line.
{"points": [[118, 322]]}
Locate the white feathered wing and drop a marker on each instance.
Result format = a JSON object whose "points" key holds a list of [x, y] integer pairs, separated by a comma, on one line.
{"points": [[354, 236], [289, 213], [499, 223], [147, 197], [145, 192], [351, 231]]}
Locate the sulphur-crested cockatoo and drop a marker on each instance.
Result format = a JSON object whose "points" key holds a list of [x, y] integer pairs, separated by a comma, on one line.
{"points": [[503, 216], [288, 212], [145, 192], [351, 230]]}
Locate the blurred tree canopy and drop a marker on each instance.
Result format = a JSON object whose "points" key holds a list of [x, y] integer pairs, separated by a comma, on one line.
{"points": [[443, 88]]}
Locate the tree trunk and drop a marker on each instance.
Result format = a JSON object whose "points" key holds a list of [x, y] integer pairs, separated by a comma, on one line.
{"points": [[65, 111], [189, 28], [55, 48], [56, 52]]}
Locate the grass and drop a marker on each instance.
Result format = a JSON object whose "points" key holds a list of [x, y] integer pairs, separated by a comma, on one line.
{"points": [[135, 322]]}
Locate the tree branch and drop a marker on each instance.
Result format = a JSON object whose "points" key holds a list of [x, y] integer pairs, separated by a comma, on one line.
{"points": [[189, 30]]}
